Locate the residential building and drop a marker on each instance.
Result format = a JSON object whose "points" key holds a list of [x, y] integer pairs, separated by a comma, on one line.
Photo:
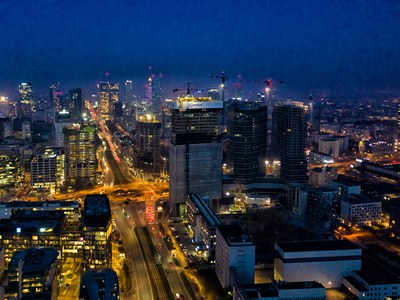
{"points": [[99, 284], [324, 261], [234, 250], [195, 151], [97, 228]]}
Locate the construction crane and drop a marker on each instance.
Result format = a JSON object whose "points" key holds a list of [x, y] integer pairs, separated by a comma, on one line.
{"points": [[223, 78], [181, 89]]}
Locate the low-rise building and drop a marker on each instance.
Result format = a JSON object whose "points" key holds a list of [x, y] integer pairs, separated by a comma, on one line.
{"points": [[32, 273], [324, 261], [320, 177], [281, 290], [203, 222], [99, 284], [373, 282], [361, 210], [234, 249]]}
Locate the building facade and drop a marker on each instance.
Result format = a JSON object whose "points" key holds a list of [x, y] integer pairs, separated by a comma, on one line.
{"points": [[195, 151], [289, 137], [26, 101], [80, 156], [247, 141]]}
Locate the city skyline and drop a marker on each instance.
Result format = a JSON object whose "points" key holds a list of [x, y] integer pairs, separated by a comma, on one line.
{"points": [[347, 48]]}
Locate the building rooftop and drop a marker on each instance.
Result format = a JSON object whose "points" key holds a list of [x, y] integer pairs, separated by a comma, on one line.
{"points": [[208, 214], [360, 199], [348, 181], [35, 259], [40, 204], [96, 211], [319, 245], [272, 289], [99, 284], [234, 235], [375, 274]]}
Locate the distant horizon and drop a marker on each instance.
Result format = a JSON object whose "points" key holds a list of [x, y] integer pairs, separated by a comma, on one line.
{"points": [[326, 48]]}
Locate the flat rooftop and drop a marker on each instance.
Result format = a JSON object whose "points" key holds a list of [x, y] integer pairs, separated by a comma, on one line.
{"points": [[375, 274], [35, 259], [319, 245], [96, 211], [234, 234], [348, 181], [360, 199], [42, 204], [209, 215]]}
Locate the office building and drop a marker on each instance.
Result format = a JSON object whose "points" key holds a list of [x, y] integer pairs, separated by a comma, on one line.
{"points": [[76, 105], [55, 96], [108, 96], [80, 156], [299, 198], [361, 210], [6, 128], [203, 223], [128, 92], [32, 274], [97, 228], [26, 102], [29, 228], [195, 151], [9, 168], [345, 186], [147, 150], [234, 250], [156, 93], [99, 284], [247, 141], [324, 261], [44, 173], [289, 132]]}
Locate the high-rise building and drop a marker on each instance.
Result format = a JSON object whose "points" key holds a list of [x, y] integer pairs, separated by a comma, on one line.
{"points": [[43, 173], [147, 150], [108, 95], [156, 93], [247, 141], [289, 136], [195, 152], [76, 104], [80, 156], [26, 102], [55, 96], [128, 92], [398, 126], [97, 228]]}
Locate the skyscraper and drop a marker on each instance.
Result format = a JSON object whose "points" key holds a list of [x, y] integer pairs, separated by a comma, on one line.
{"points": [[54, 96], [108, 95], [128, 92], [76, 104], [195, 152], [26, 102], [247, 140], [156, 93], [289, 136], [147, 150], [80, 156]]}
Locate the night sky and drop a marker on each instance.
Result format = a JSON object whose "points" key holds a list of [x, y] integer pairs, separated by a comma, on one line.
{"points": [[325, 47]]}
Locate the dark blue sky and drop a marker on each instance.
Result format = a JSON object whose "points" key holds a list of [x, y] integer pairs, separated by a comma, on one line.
{"points": [[326, 47]]}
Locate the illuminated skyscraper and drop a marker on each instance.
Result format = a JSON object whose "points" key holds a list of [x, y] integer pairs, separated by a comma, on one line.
{"points": [[80, 156], [54, 96], [128, 92], [247, 140], [195, 152], [26, 102], [289, 136], [108, 95], [156, 93]]}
